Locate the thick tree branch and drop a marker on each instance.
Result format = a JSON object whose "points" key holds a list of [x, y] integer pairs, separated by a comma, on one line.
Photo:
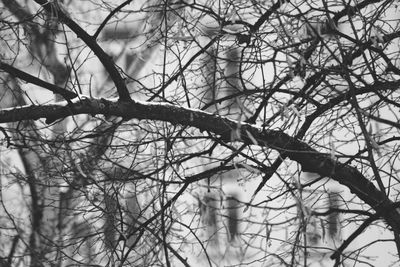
{"points": [[310, 159], [90, 41]]}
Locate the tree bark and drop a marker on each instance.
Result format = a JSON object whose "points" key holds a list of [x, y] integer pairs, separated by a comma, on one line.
{"points": [[310, 159]]}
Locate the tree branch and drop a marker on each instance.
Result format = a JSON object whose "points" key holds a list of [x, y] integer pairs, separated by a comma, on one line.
{"points": [[34, 80], [310, 159], [105, 59], [107, 19], [267, 14], [361, 228]]}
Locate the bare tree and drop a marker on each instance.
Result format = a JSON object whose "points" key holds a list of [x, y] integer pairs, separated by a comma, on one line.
{"points": [[144, 133]]}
